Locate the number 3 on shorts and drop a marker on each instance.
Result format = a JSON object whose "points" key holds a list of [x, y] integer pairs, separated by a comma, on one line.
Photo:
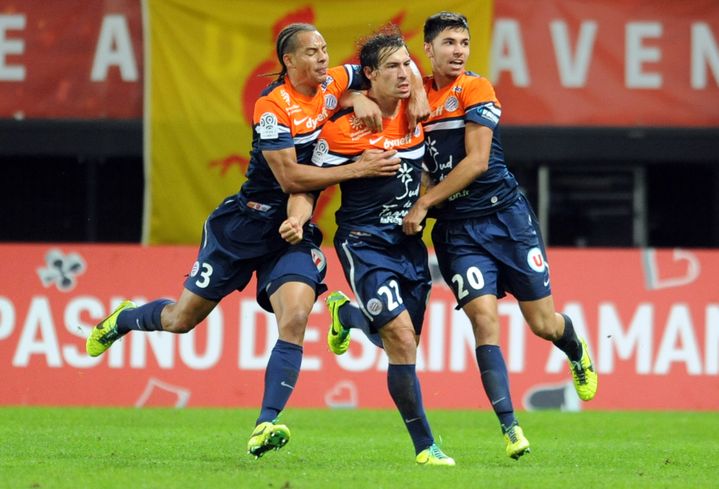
{"points": [[474, 280], [205, 273]]}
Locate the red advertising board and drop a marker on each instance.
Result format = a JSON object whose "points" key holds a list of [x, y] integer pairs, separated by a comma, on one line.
{"points": [[554, 62], [607, 62], [71, 59], [651, 319]]}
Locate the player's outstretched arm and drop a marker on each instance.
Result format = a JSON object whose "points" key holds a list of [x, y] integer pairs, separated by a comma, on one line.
{"points": [[299, 211], [296, 178], [477, 142]]}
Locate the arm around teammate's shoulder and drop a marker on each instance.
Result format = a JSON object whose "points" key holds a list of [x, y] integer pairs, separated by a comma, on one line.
{"points": [[295, 178]]}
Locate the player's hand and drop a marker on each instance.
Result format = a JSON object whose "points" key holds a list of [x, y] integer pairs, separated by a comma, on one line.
{"points": [[412, 222], [418, 109], [368, 112], [291, 230], [377, 163]]}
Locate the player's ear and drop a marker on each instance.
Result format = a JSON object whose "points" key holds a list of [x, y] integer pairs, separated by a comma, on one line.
{"points": [[368, 73], [289, 60], [428, 50]]}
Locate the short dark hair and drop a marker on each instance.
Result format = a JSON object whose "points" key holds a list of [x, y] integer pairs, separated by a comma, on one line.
{"points": [[374, 47], [287, 42], [441, 21]]}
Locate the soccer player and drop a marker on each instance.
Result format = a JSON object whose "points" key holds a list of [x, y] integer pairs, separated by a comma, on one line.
{"points": [[241, 236], [486, 236], [386, 269]]}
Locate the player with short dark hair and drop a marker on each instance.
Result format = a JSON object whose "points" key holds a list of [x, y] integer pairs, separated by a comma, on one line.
{"points": [[241, 236], [386, 269], [486, 237]]}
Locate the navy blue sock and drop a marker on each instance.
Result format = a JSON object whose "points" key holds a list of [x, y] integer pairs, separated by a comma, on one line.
{"points": [[496, 383], [142, 318], [569, 342], [352, 317], [281, 374], [404, 388]]}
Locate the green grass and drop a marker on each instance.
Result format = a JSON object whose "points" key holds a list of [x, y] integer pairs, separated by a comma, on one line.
{"points": [[205, 448]]}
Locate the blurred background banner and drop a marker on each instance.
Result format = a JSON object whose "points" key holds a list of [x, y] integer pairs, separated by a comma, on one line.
{"points": [[70, 59], [205, 67], [651, 319], [607, 62]]}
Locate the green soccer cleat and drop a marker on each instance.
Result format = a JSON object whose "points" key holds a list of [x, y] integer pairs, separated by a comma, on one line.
{"points": [[338, 337], [432, 455], [105, 333], [517, 443], [267, 436], [585, 378]]}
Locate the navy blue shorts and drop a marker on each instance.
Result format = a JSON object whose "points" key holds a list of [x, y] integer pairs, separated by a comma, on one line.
{"points": [[386, 279], [237, 242], [494, 254]]}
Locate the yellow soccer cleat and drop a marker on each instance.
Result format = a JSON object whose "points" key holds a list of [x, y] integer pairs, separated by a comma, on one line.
{"points": [[338, 337], [432, 455], [267, 436], [517, 443], [585, 378], [105, 333]]}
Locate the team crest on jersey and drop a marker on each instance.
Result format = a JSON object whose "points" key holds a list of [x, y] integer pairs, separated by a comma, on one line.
{"points": [[268, 126], [286, 97], [535, 260], [417, 130], [330, 101], [374, 306], [320, 151], [451, 104], [195, 269], [318, 258]]}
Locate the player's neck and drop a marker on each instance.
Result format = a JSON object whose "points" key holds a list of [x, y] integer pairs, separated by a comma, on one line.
{"points": [[441, 81], [302, 87], [387, 104]]}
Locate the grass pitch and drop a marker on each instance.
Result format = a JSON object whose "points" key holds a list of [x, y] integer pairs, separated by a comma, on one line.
{"points": [[205, 448]]}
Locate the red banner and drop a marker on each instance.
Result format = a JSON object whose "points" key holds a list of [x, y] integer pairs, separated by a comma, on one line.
{"points": [[607, 62], [555, 62], [71, 59], [651, 319]]}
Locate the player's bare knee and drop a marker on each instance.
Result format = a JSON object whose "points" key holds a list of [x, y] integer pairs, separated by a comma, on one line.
{"points": [[293, 323]]}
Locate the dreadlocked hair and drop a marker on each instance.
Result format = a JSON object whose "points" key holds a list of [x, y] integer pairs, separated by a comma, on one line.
{"points": [[287, 42]]}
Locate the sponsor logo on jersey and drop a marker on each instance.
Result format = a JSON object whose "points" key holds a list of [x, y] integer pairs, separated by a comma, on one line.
{"points": [[327, 82], [374, 306], [391, 143], [451, 104], [268, 126], [320, 151], [535, 260], [374, 141], [310, 122], [330, 101]]}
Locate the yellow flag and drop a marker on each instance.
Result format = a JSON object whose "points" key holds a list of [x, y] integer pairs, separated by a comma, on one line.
{"points": [[205, 66]]}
